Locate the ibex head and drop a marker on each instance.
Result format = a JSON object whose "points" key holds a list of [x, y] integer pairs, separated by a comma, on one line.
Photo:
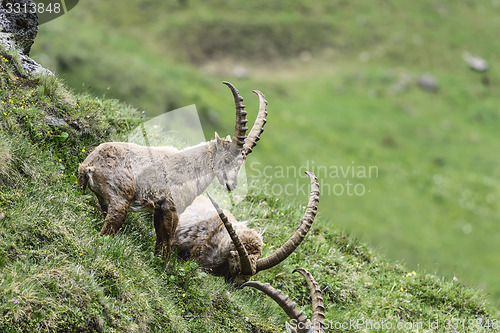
{"points": [[227, 163], [231, 153], [245, 261]]}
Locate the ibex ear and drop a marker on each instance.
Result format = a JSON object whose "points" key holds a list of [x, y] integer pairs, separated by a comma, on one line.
{"points": [[218, 140]]}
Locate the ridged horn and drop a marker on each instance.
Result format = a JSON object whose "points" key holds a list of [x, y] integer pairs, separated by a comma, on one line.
{"points": [[300, 233], [288, 306], [246, 266], [258, 126], [240, 127], [318, 308]]}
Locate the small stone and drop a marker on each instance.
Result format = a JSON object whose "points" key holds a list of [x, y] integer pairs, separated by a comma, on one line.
{"points": [[240, 72], [54, 121], [428, 82], [475, 63], [305, 56]]}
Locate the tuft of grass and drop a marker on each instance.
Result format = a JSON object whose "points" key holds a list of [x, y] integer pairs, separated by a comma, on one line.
{"points": [[5, 158]]}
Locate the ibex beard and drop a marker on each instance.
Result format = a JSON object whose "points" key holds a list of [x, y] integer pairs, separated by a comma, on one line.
{"points": [[163, 180]]}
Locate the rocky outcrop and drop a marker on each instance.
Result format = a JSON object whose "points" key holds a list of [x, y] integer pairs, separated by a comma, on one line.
{"points": [[18, 29]]}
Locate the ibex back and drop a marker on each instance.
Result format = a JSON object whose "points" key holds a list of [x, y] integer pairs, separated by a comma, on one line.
{"points": [[163, 180]]}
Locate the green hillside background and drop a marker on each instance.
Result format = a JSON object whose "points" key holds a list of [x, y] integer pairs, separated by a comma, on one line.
{"points": [[417, 248], [341, 82], [59, 275]]}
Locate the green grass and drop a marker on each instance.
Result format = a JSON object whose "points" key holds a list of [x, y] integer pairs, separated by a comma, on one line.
{"points": [[433, 206], [59, 274]]}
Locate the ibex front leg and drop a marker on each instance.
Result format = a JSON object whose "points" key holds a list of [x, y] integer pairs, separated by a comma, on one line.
{"points": [[103, 205], [115, 216], [114, 199], [165, 221]]}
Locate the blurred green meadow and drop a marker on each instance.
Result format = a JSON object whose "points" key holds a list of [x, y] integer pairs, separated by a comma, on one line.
{"points": [[342, 82]]}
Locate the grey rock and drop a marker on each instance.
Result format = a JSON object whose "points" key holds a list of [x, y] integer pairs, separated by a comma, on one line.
{"points": [[305, 56], [475, 63], [428, 82], [18, 32], [31, 67], [54, 121], [240, 72], [18, 29]]}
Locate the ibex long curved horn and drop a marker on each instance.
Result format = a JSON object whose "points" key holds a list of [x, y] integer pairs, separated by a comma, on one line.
{"points": [[258, 126], [300, 233], [240, 128], [288, 306], [246, 266], [318, 308], [303, 324]]}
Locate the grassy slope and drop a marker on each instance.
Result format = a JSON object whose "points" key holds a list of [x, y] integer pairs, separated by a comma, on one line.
{"points": [[435, 199], [58, 274]]}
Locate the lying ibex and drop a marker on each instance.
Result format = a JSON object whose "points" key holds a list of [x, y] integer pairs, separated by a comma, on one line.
{"points": [[299, 322], [228, 248], [162, 180]]}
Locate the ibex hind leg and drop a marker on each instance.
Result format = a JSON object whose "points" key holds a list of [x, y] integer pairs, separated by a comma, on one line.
{"points": [[115, 216], [165, 221]]}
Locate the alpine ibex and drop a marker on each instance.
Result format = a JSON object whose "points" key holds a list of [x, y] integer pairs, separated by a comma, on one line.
{"points": [[228, 248], [299, 322], [162, 180]]}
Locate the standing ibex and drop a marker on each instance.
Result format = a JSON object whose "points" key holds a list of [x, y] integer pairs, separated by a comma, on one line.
{"points": [[162, 180], [229, 248], [299, 322]]}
